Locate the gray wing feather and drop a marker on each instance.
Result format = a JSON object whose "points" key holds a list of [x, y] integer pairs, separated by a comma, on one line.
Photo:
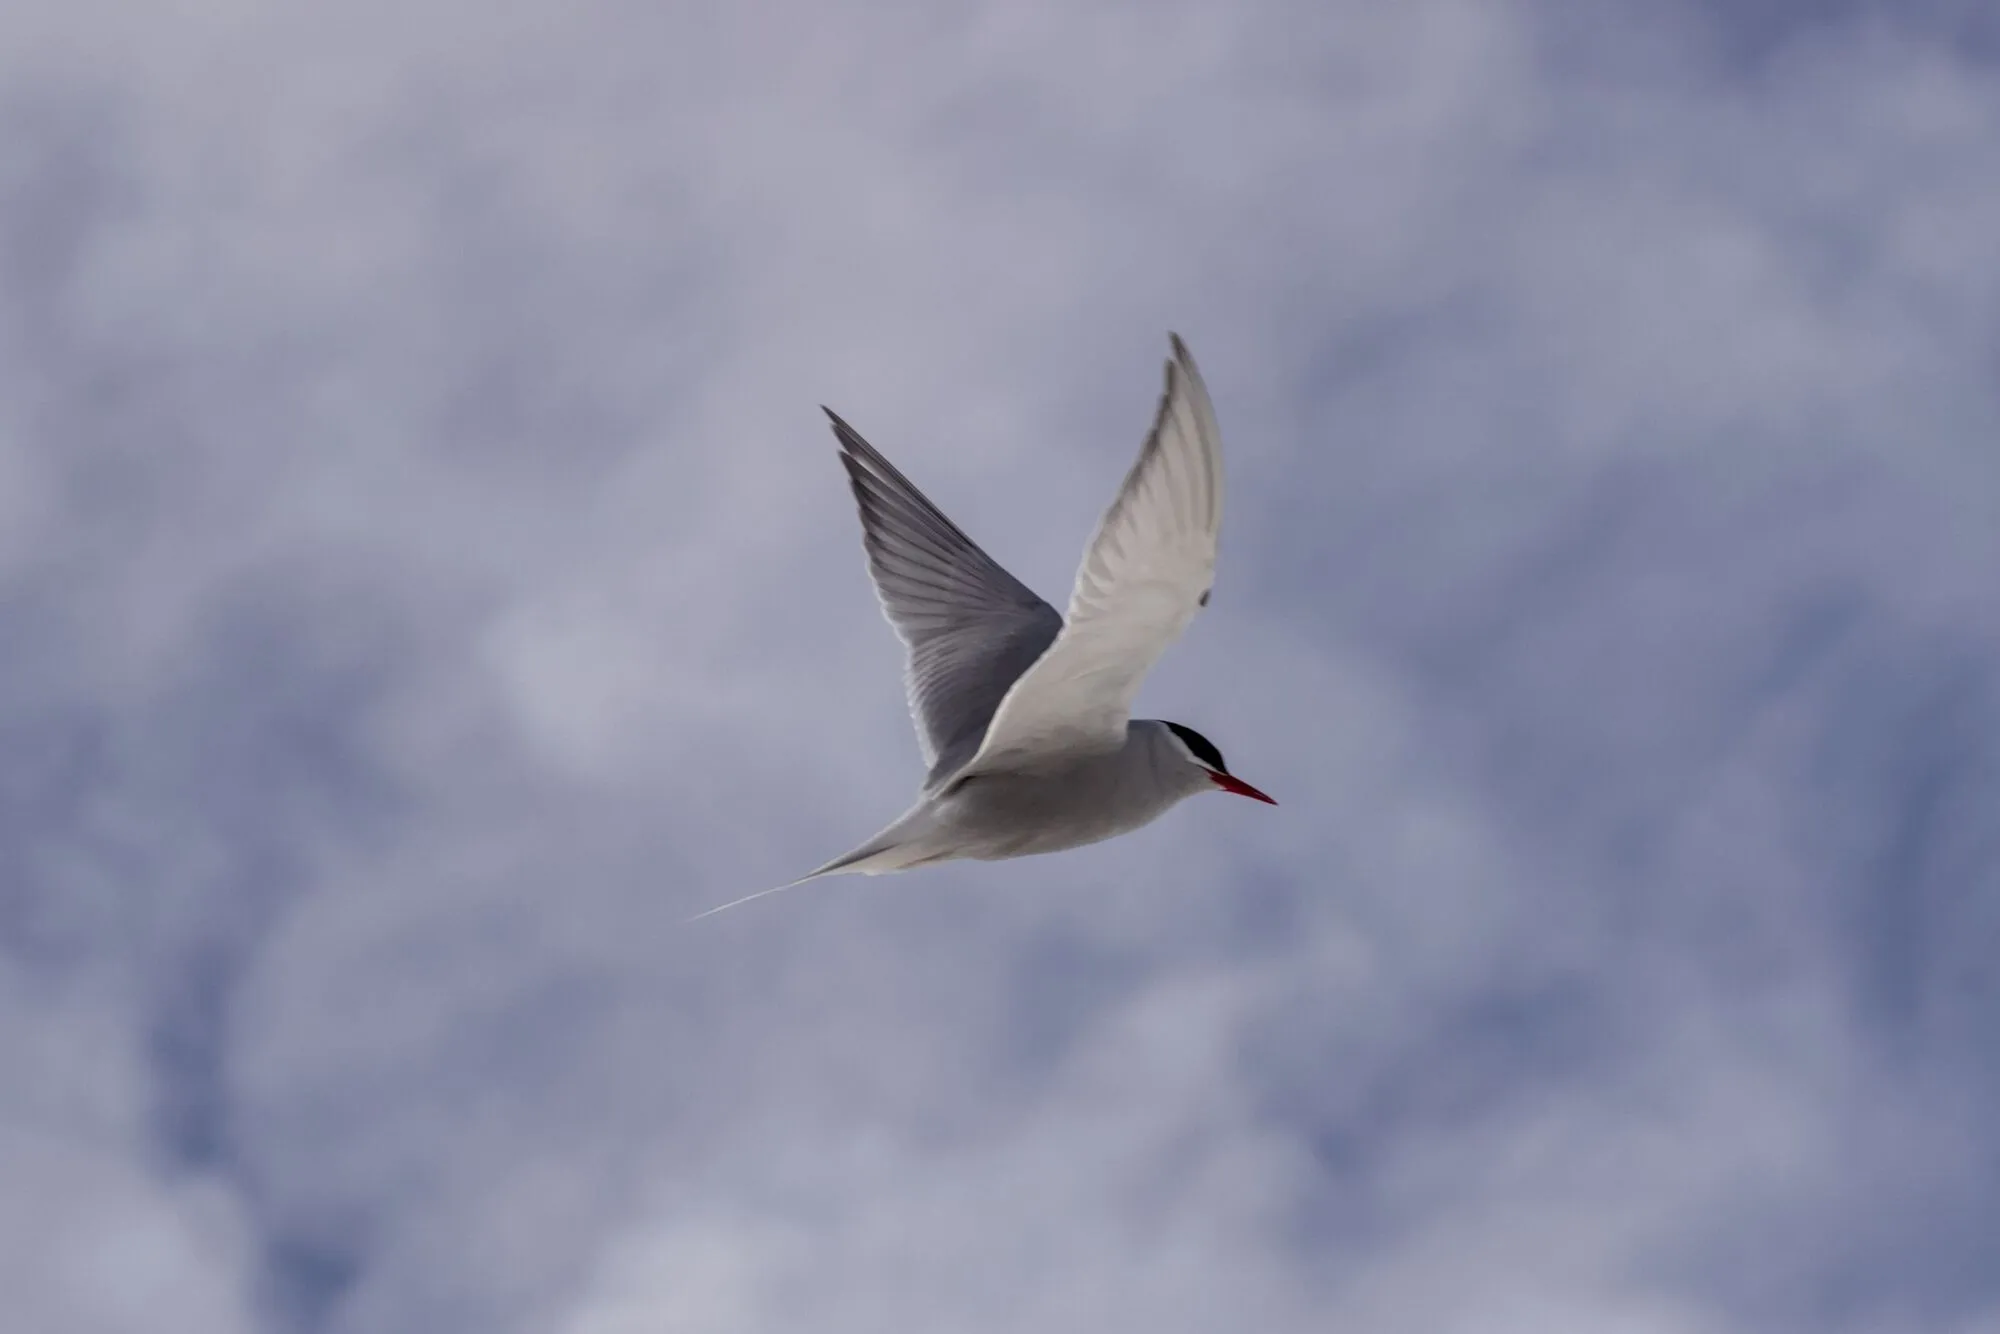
{"points": [[1145, 574], [971, 628]]}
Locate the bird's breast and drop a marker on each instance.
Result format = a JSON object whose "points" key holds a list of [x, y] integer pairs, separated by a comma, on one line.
{"points": [[999, 815]]}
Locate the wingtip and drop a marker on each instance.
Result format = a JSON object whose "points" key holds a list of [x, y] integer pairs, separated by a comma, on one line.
{"points": [[1179, 361], [848, 437]]}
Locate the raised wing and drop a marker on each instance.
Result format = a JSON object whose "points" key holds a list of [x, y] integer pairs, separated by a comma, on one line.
{"points": [[1145, 574], [971, 627]]}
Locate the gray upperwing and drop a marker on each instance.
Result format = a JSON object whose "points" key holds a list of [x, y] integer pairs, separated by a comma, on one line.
{"points": [[971, 627]]}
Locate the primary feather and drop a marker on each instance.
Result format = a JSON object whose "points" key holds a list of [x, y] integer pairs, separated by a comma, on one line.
{"points": [[1145, 574], [971, 628]]}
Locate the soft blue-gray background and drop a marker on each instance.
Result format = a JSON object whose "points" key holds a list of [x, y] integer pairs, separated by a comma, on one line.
{"points": [[425, 578]]}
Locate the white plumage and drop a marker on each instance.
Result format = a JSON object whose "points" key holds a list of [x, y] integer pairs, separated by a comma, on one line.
{"points": [[1024, 716]]}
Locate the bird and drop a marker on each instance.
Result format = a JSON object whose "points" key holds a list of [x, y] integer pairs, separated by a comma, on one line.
{"points": [[1024, 715]]}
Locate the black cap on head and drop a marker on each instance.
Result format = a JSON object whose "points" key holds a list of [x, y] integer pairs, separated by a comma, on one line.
{"points": [[1203, 749]]}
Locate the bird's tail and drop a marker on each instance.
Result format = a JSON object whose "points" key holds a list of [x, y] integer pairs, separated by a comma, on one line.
{"points": [[885, 852], [775, 889]]}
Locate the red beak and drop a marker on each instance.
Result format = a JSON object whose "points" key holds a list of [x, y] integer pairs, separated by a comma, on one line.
{"points": [[1231, 783]]}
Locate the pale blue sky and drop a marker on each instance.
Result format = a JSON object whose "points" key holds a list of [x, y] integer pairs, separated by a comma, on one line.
{"points": [[426, 577]]}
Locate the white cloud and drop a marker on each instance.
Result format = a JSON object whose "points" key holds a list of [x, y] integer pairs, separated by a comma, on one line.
{"points": [[429, 581], [91, 1240]]}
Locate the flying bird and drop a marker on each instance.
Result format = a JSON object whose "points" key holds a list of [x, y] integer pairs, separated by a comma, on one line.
{"points": [[1024, 716]]}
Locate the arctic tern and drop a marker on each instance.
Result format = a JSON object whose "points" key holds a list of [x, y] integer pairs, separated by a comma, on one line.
{"points": [[1023, 715]]}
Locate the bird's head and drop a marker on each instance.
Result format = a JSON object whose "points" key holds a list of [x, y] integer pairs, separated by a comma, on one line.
{"points": [[1202, 754]]}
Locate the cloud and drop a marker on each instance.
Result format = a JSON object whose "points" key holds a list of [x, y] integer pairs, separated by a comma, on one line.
{"points": [[93, 1238], [425, 583]]}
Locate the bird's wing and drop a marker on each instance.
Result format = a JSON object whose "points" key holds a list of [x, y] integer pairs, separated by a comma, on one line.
{"points": [[1145, 574], [971, 628]]}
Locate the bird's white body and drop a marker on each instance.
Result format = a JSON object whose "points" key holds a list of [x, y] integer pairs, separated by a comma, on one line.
{"points": [[1024, 716], [1065, 803]]}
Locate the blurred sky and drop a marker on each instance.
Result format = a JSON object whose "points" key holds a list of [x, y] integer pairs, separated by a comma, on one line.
{"points": [[425, 578]]}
